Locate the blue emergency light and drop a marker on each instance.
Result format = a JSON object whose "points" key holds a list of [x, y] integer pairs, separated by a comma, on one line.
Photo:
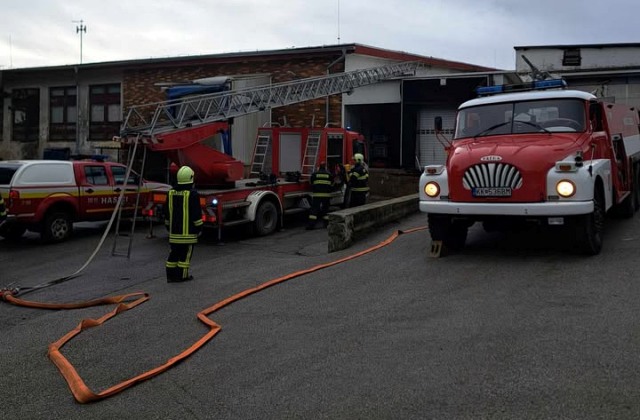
{"points": [[520, 87]]}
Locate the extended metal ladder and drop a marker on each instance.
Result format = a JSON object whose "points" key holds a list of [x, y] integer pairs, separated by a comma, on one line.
{"points": [[263, 148], [311, 153], [159, 117], [117, 249]]}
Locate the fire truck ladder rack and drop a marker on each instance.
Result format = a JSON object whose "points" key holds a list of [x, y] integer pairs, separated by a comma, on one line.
{"points": [[311, 154], [150, 119], [118, 250], [260, 155]]}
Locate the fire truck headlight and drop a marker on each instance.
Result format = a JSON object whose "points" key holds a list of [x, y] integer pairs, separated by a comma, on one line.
{"points": [[214, 202], [565, 188], [432, 189]]}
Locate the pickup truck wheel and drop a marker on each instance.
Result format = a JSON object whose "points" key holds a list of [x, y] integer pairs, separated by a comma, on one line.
{"points": [[57, 227], [590, 228], [12, 231], [266, 219]]}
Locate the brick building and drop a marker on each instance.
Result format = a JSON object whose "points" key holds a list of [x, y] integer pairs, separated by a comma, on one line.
{"points": [[79, 108]]}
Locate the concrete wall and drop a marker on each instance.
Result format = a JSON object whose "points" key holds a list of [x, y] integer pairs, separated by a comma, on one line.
{"points": [[348, 225], [392, 183]]}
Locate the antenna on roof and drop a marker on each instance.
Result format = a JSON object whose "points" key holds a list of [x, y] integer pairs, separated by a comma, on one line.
{"points": [[338, 21]]}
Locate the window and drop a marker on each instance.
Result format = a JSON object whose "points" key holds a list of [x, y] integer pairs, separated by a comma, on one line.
{"points": [[96, 175], [335, 145], [571, 57], [118, 176], [543, 116], [25, 110], [62, 114], [105, 111]]}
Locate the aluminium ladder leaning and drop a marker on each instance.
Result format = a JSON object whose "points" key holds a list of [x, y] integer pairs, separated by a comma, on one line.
{"points": [[117, 250]]}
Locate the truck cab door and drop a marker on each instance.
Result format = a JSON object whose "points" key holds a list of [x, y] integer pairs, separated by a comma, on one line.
{"points": [[96, 192], [130, 187]]}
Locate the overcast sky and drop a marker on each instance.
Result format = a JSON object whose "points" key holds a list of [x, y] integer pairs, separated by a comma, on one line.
{"points": [[36, 33]]}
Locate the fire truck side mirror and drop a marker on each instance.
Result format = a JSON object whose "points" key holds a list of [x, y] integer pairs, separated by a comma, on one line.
{"points": [[438, 124], [595, 116]]}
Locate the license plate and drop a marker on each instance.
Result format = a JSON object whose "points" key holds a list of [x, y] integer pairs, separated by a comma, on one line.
{"points": [[491, 192]]}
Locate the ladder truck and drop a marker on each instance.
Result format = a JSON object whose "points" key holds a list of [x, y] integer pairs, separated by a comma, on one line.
{"points": [[283, 157]]}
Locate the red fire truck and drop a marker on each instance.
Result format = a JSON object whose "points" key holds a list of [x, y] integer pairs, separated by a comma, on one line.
{"points": [[534, 153], [278, 183], [185, 126]]}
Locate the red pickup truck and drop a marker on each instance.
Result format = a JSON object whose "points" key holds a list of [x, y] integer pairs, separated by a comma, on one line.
{"points": [[48, 196]]}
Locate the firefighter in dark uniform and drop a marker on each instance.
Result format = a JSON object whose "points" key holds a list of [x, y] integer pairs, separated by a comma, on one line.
{"points": [[358, 182], [321, 187], [183, 220]]}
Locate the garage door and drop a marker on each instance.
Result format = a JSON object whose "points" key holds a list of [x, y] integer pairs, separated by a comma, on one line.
{"points": [[431, 149]]}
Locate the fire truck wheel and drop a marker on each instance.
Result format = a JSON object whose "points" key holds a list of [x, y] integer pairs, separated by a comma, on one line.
{"points": [[57, 227], [456, 236], [453, 234], [266, 219], [590, 228]]}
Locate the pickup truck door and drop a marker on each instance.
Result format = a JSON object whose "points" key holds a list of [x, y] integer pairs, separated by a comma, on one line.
{"points": [[96, 192], [131, 187]]}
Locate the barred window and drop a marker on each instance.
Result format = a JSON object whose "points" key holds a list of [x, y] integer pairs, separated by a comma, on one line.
{"points": [[62, 113], [105, 111]]}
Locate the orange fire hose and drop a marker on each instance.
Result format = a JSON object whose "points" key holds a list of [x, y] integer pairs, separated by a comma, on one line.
{"points": [[81, 391]]}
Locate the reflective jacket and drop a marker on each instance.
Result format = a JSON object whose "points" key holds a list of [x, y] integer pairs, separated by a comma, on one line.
{"points": [[183, 217], [321, 183], [359, 178]]}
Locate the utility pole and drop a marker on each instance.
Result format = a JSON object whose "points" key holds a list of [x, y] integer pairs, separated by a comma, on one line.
{"points": [[79, 30]]}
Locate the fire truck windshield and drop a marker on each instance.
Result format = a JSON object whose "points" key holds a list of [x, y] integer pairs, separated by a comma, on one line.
{"points": [[525, 117]]}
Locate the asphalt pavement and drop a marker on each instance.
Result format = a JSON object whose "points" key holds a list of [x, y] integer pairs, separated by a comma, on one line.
{"points": [[513, 327]]}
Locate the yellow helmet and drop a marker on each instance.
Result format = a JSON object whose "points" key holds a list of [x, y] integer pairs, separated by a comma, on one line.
{"points": [[185, 175], [358, 157]]}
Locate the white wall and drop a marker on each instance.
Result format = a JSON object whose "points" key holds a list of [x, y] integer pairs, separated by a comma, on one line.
{"points": [[550, 59], [383, 92]]}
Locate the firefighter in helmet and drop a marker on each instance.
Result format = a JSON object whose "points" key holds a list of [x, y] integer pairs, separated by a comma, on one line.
{"points": [[358, 182], [183, 220], [321, 186]]}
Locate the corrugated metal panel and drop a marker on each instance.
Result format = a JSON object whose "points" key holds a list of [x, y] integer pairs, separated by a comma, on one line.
{"points": [[431, 151], [244, 129]]}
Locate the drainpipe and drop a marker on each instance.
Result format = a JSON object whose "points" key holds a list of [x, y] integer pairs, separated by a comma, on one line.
{"points": [[333, 63]]}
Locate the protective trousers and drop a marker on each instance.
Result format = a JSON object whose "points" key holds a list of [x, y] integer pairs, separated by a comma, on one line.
{"points": [[358, 198], [319, 210], [179, 261]]}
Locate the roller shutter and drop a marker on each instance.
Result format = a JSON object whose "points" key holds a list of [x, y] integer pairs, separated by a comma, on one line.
{"points": [[430, 149]]}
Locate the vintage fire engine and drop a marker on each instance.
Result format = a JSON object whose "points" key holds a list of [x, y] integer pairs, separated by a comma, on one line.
{"points": [[534, 153]]}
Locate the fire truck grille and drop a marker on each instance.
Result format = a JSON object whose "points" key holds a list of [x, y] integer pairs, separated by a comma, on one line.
{"points": [[492, 175]]}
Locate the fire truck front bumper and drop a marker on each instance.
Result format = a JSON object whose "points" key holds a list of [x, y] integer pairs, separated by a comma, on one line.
{"points": [[548, 209]]}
